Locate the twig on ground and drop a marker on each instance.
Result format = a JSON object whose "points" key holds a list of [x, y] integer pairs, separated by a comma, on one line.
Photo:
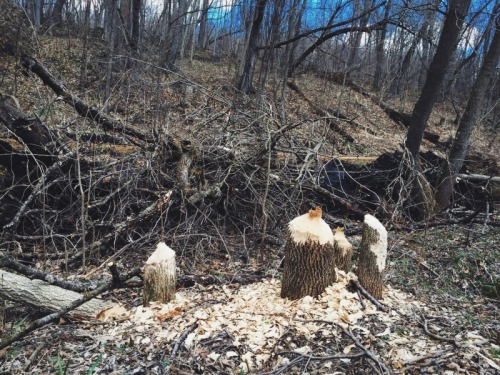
{"points": [[178, 343], [357, 286]]}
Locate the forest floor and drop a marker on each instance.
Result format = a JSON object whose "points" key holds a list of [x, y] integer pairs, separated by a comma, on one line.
{"points": [[443, 278]]}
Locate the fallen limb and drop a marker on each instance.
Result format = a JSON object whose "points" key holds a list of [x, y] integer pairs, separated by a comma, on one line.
{"points": [[122, 227], [112, 284], [479, 177], [399, 117], [32, 273], [357, 343], [324, 113], [82, 108], [353, 284], [39, 187]]}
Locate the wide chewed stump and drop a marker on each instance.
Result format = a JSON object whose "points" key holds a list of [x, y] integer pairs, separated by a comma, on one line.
{"points": [[343, 251], [159, 275], [372, 256], [309, 257]]}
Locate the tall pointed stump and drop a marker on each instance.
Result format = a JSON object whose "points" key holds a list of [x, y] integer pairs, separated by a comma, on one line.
{"points": [[309, 257], [372, 256], [159, 275]]}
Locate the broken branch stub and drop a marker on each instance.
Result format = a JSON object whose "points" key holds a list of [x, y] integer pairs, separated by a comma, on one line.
{"points": [[343, 251], [159, 275], [372, 256], [309, 257]]}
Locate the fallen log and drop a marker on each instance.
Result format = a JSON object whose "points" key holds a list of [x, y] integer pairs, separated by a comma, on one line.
{"points": [[478, 177], [42, 295]]}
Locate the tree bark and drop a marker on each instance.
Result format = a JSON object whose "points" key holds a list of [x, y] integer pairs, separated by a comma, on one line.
{"points": [[309, 257], [469, 119], [372, 256], [56, 16]]}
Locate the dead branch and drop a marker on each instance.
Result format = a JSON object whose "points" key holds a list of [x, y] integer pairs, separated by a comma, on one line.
{"points": [[357, 286], [8, 262], [39, 187], [399, 117], [334, 126], [120, 228], [82, 108], [358, 344], [307, 358], [479, 177]]}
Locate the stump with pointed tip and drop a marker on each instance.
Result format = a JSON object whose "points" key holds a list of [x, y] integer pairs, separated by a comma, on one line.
{"points": [[309, 257], [159, 275], [372, 256], [343, 251]]}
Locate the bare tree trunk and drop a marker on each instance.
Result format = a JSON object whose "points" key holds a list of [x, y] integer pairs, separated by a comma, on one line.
{"points": [[136, 18], [401, 76], [381, 38], [245, 78], [51, 298], [446, 48], [111, 16], [84, 60], [56, 15], [469, 119], [421, 112], [202, 36], [361, 7]]}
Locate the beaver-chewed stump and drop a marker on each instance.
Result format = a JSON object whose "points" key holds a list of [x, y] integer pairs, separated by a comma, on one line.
{"points": [[159, 275], [309, 257], [343, 251], [372, 256]]}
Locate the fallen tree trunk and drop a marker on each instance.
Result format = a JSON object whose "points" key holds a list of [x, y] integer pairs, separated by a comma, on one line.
{"points": [[479, 177], [397, 116], [41, 295]]}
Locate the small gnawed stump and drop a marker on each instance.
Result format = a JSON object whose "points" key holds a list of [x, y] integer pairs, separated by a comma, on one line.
{"points": [[372, 256], [159, 275], [343, 251], [309, 257]]}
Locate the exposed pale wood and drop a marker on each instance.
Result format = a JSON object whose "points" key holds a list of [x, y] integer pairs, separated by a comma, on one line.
{"points": [[44, 296], [343, 251], [159, 275]]}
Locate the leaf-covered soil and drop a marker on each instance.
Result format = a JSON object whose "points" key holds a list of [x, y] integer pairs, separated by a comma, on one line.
{"points": [[443, 280]]}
